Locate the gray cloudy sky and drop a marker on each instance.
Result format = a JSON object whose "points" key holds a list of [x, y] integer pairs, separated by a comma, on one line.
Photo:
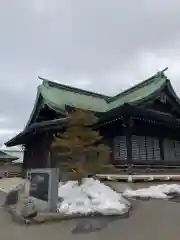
{"points": [[101, 45]]}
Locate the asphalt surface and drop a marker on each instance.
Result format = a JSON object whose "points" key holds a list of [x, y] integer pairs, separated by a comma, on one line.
{"points": [[150, 220]]}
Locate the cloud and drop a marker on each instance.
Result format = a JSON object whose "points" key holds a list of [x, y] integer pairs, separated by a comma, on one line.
{"points": [[104, 46], [4, 119], [39, 6], [7, 131], [6, 134]]}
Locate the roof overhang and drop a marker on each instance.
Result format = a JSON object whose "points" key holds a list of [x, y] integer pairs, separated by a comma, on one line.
{"points": [[43, 126], [128, 110]]}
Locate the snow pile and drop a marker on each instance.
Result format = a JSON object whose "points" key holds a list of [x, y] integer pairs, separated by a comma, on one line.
{"points": [[90, 197], [162, 191]]}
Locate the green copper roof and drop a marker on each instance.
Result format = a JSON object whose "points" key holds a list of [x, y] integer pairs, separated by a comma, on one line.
{"points": [[141, 92], [57, 95]]}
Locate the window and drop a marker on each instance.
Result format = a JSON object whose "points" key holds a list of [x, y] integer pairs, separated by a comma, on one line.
{"points": [[120, 148]]}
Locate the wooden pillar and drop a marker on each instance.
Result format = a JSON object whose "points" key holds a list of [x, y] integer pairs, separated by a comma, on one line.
{"points": [[27, 159], [161, 148], [129, 124], [25, 163], [49, 164], [129, 145]]}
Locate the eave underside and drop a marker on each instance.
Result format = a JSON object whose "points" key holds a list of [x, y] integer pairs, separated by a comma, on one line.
{"points": [[35, 128], [133, 111], [126, 110]]}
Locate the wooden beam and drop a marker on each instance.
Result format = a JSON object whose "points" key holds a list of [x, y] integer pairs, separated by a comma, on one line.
{"points": [[161, 148], [165, 69], [128, 140], [174, 105]]}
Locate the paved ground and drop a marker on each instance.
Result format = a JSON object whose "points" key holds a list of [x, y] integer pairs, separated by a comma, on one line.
{"points": [[7, 183], [150, 220]]}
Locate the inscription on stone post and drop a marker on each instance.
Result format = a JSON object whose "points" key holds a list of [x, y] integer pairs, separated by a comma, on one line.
{"points": [[44, 186]]}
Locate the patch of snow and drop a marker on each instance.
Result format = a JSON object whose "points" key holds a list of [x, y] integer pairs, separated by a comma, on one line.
{"points": [[90, 197], [161, 191]]}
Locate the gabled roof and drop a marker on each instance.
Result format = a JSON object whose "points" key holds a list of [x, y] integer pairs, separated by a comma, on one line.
{"points": [[4, 157], [57, 96], [139, 92], [18, 161]]}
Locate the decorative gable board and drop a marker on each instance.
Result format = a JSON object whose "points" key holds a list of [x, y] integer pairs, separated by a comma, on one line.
{"points": [[162, 98], [164, 103]]}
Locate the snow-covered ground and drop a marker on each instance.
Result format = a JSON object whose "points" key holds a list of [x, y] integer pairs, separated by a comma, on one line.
{"points": [[161, 191], [90, 197], [93, 196]]}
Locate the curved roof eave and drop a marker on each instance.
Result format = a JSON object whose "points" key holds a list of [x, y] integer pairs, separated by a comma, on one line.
{"points": [[39, 103], [150, 96], [35, 110], [171, 89]]}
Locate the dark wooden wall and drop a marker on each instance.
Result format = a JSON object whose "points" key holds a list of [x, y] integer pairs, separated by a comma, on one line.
{"points": [[169, 106], [140, 128], [37, 151]]}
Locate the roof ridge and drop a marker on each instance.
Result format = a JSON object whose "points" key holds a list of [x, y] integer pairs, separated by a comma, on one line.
{"points": [[74, 89], [159, 75], [151, 79]]}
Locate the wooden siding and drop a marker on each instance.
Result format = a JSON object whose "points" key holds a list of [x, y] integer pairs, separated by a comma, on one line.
{"points": [[37, 151], [141, 143], [171, 150], [120, 148]]}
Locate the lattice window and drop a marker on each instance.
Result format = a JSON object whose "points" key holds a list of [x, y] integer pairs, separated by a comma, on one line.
{"points": [[153, 148], [120, 148], [145, 148], [138, 148], [171, 150]]}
